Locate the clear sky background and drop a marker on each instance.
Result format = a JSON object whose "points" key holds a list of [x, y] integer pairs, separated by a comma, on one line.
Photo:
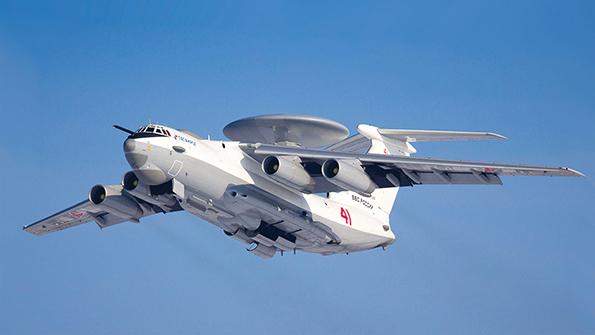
{"points": [[516, 259]]}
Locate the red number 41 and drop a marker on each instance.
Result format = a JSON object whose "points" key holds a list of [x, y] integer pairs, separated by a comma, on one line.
{"points": [[346, 216]]}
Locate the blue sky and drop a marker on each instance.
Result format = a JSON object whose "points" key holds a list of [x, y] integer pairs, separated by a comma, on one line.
{"points": [[516, 259]]}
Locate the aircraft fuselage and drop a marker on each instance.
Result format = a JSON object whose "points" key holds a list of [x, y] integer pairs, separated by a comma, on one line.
{"points": [[218, 182]]}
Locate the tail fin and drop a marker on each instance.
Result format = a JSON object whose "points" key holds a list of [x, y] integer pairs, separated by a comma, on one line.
{"points": [[398, 142], [385, 197], [382, 199]]}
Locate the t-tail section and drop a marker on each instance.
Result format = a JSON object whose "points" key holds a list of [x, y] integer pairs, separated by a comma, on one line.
{"points": [[396, 142], [381, 200]]}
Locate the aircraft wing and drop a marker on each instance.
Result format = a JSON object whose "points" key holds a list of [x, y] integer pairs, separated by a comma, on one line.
{"points": [[86, 211], [75, 215], [390, 171]]}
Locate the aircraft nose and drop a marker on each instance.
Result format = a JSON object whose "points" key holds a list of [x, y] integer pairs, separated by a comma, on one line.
{"points": [[138, 156], [129, 145]]}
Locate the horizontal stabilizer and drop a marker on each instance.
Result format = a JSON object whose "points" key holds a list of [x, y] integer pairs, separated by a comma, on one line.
{"points": [[407, 135]]}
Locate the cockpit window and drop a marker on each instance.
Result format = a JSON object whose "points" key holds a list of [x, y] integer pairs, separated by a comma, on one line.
{"points": [[151, 131]]}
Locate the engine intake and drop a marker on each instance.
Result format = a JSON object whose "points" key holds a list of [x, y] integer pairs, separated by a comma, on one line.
{"points": [[130, 181], [159, 195], [111, 199], [287, 171], [348, 175]]}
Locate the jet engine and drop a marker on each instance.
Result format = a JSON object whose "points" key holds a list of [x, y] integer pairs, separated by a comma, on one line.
{"points": [[111, 199], [130, 181], [287, 171], [262, 250], [134, 186], [348, 175]]}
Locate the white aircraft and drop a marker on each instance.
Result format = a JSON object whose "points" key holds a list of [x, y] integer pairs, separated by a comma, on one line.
{"points": [[284, 182]]}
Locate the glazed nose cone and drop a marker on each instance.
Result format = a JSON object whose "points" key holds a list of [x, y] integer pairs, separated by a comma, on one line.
{"points": [[138, 157]]}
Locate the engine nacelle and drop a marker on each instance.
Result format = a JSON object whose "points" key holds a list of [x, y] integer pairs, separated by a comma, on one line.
{"points": [[348, 175], [239, 234], [288, 172], [111, 199], [262, 250], [130, 181], [134, 186]]}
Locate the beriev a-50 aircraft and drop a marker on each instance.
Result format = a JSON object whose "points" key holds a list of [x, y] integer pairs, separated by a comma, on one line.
{"points": [[283, 183]]}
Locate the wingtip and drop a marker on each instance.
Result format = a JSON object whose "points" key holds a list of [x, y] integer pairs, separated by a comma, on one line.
{"points": [[497, 136], [574, 173]]}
